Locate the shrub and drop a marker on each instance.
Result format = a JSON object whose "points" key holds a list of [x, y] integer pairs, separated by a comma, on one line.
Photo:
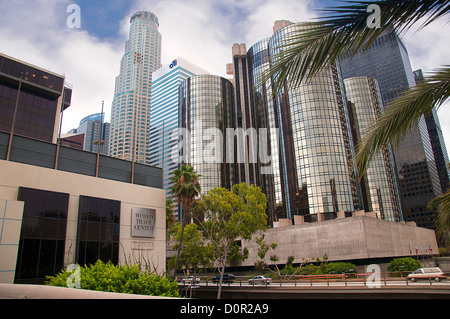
{"points": [[121, 279], [404, 264]]}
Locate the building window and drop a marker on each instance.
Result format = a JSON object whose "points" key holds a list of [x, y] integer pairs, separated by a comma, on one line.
{"points": [[42, 238], [98, 230]]}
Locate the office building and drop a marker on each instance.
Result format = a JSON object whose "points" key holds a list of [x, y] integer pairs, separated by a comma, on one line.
{"points": [[94, 131], [314, 142], [164, 114], [271, 180], [245, 116], [387, 61], [31, 99], [206, 108], [379, 187], [130, 110], [437, 141]]}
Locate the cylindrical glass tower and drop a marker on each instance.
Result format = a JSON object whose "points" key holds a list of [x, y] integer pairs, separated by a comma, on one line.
{"points": [[205, 106], [316, 141], [378, 185], [271, 171]]}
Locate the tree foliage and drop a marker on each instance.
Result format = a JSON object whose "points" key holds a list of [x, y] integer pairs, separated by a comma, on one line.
{"points": [[121, 279], [231, 215], [404, 264]]}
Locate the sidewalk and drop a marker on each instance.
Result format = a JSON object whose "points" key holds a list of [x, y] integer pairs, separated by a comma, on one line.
{"points": [[13, 291]]}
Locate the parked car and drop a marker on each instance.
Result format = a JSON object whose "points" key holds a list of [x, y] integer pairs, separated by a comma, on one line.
{"points": [[190, 280], [227, 278], [260, 280], [427, 273]]}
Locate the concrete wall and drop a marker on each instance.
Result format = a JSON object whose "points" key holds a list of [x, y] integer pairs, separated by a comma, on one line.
{"points": [[132, 249], [351, 238]]}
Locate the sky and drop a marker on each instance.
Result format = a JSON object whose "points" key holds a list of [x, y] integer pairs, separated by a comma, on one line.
{"points": [[201, 31]]}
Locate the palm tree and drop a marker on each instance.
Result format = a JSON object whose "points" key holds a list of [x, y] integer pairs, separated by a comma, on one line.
{"points": [[186, 187], [344, 31]]}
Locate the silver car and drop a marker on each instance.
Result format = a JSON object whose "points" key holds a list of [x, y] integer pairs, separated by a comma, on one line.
{"points": [[260, 280]]}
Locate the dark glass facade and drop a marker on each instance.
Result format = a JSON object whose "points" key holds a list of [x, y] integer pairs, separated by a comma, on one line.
{"points": [[43, 234], [37, 95], [98, 230], [315, 143], [205, 106], [387, 61], [271, 170], [379, 190]]}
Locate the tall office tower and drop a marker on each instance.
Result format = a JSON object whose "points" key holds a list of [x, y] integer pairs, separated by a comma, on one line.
{"points": [[205, 106], [94, 129], [164, 114], [378, 185], [437, 142], [245, 117], [130, 111], [387, 61], [31, 99], [315, 141], [271, 181]]}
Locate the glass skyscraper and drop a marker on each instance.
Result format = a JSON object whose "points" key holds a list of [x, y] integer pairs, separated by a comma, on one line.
{"points": [[314, 144], [206, 108], [378, 185], [130, 111], [387, 61], [164, 114]]}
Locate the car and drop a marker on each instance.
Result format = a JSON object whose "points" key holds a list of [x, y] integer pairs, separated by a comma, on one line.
{"points": [[190, 280], [227, 278], [260, 280], [427, 273]]}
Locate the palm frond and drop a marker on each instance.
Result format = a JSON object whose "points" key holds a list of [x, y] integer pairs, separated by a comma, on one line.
{"points": [[402, 114], [341, 32]]}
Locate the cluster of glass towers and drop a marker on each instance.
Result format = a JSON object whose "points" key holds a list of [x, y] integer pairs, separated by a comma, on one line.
{"points": [[298, 145]]}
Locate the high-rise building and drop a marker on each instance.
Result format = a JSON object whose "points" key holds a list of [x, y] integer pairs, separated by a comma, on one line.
{"points": [[206, 108], [314, 145], [271, 183], [379, 187], [31, 99], [130, 111], [387, 61], [244, 114], [437, 142], [94, 129], [164, 114]]}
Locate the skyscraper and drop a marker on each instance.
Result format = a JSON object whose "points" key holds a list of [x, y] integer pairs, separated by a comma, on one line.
{"points": [[379, 187], [164, 114], [92, 126], [205, 106], [130, 111], [314, 144], [387, 61]]}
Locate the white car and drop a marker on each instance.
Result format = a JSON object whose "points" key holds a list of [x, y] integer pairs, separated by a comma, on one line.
{"points": [[191, 280], [427, 273], [260, 279]]}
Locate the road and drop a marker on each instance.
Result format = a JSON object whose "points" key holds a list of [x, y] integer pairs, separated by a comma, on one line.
{"points": [[382, 282]]}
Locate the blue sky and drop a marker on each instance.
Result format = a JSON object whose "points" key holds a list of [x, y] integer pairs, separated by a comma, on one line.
{"points": [[201, 31]]}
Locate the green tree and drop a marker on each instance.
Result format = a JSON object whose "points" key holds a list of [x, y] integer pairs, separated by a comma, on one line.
{"points": [[231, 215], [404, 264], [342, 32], [195, 253], [186, 187]]}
